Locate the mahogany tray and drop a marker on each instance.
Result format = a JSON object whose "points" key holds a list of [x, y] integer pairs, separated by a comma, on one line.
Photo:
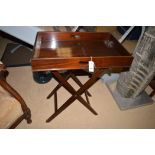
{"points": [[73, 50]]}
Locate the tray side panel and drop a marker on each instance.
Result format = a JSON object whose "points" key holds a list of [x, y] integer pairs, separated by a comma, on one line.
{"points": [[80, 63]]}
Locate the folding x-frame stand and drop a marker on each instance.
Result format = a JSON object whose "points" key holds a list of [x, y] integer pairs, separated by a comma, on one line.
{"points": [[76, 95]]}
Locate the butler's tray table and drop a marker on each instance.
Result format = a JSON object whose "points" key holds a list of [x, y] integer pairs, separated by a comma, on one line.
{"points": [[70, 51]]}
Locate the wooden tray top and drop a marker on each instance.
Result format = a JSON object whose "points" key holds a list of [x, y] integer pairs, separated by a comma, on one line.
{"points": [[73, 50]]}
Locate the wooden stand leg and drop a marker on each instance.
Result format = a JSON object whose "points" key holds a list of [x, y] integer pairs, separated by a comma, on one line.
{"points": [[54, 91], [79, 83], [67, 77], [57, 87], [76, 94], [86, 95]]}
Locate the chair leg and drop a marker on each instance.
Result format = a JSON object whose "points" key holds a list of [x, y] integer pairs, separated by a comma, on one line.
{"points": [[17, 122], [27, 115], [14, 93]]}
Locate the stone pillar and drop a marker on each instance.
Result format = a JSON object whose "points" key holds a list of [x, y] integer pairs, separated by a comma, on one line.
{"points": [[131, 84]]}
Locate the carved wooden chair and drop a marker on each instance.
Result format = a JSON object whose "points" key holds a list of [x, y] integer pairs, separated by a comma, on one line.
{"points": [[13, 108]]}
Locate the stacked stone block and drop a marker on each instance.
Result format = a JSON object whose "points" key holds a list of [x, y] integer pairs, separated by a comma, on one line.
{"points": [[131, 84]]}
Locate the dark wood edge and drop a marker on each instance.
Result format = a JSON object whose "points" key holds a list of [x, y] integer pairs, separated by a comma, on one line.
{"points": [[76, 63], [62, 36], [52, 32], [86, 57], [35, 47]]}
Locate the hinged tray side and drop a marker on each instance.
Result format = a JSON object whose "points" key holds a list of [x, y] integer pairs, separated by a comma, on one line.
{"points": [[80, 63]]}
